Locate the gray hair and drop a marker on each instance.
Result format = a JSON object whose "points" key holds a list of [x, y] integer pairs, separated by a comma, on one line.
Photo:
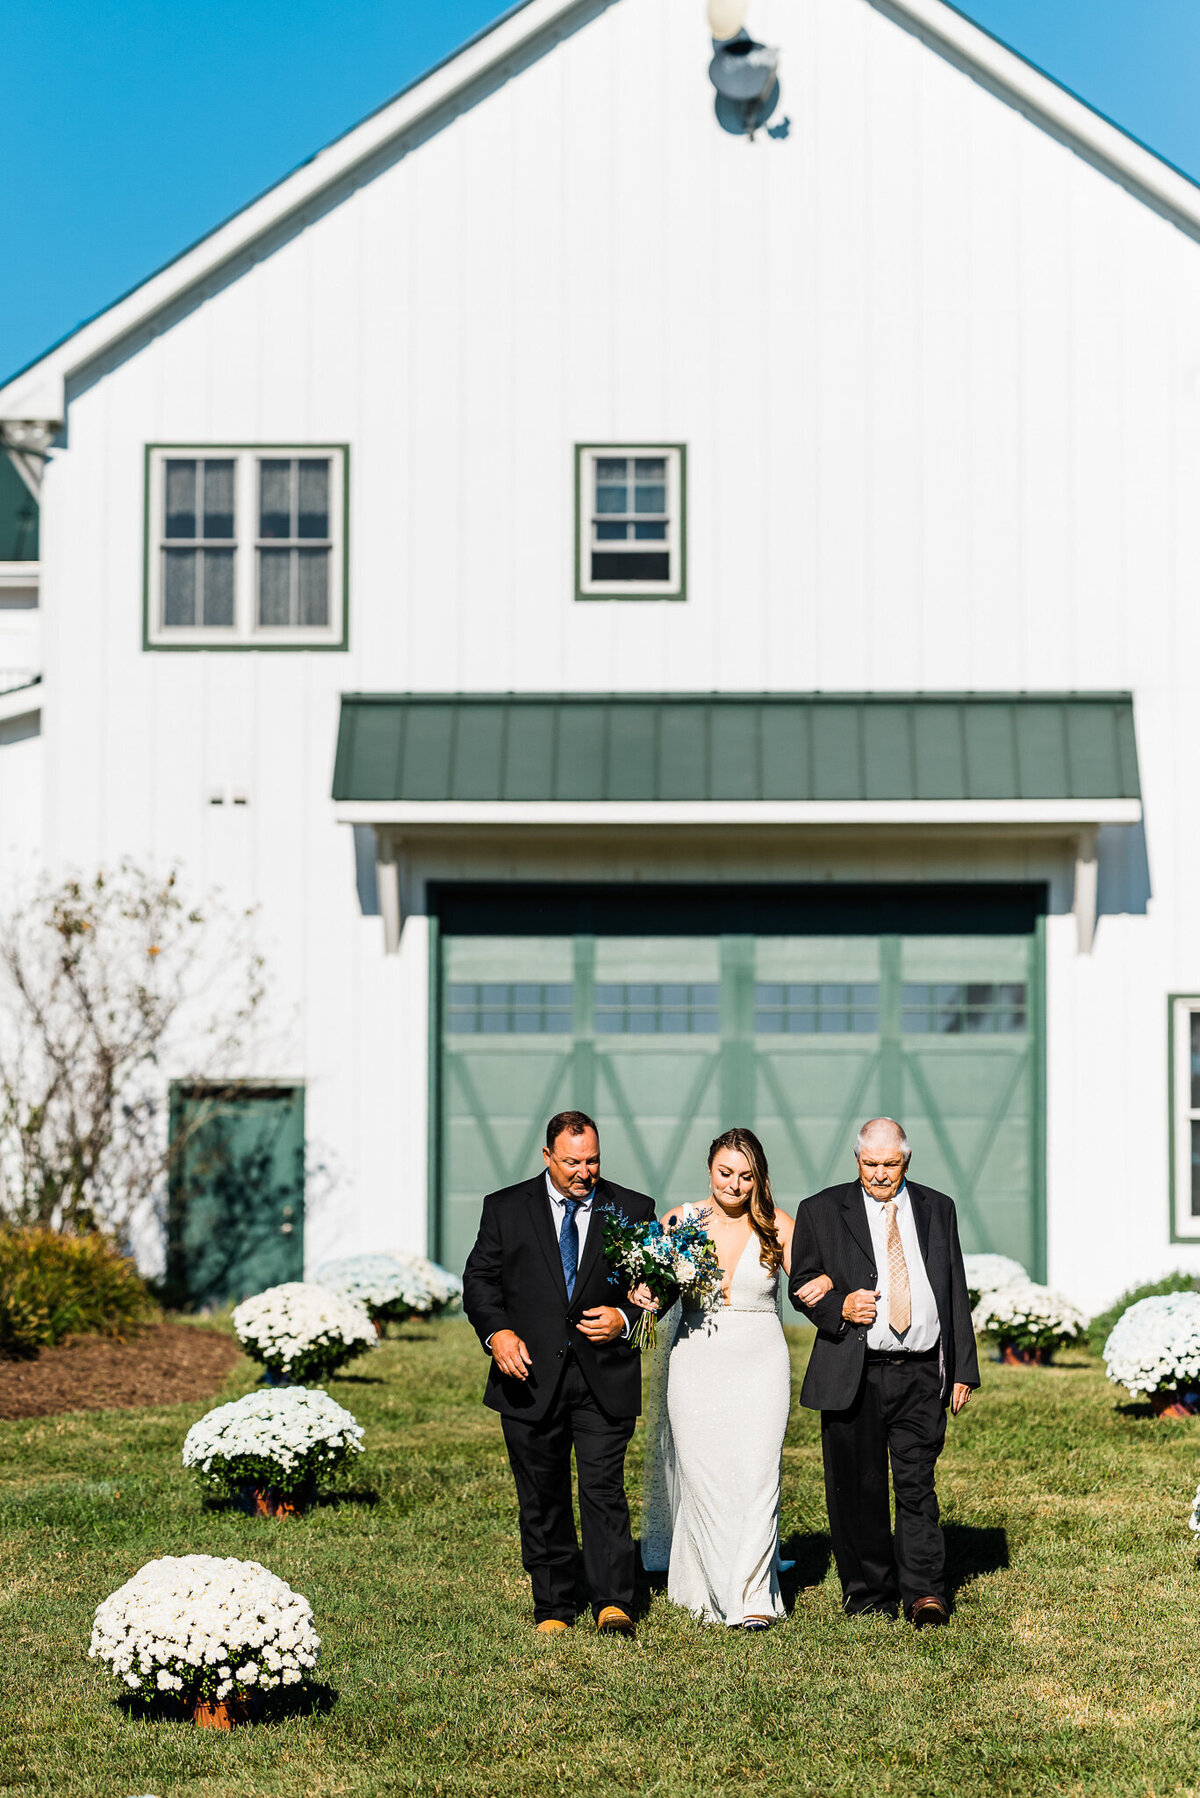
{"points": [[872, 1124]]}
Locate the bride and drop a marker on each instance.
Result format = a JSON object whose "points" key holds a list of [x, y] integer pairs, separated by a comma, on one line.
{"points": [[712, 1510]]}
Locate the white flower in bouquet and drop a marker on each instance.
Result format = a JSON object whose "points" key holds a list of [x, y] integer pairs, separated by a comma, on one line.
{"points": [[279, 1439], [988, 1273], [1156, 1344], [300, 1329], [200, 1627], [685, 1271], [1029, 1316]]}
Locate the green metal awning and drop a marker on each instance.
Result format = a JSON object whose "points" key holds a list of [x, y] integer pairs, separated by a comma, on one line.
{"points": [[418, 750]]}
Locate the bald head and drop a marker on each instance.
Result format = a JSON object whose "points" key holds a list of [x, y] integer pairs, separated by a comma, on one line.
{"points": [[882, 1153], [882, 1133]]}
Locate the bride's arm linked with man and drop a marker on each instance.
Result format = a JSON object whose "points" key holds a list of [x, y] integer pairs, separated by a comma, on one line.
{"points": [[874, 1264]]}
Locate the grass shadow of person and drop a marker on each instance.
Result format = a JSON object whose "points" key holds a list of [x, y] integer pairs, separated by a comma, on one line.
{"points": [[972, 1552], [351, 1495], [810, 1552]]}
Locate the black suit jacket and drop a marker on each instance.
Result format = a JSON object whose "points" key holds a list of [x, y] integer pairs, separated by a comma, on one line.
{"points": [[514, 1281], [833, 1237]]}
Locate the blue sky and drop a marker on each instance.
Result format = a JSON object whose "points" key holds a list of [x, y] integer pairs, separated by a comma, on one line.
{"points": [[131, 127]]}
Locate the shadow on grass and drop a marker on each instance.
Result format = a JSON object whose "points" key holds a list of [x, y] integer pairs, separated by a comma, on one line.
{"points": [[1135, 1410], [316, 1699], [812, 1554], [971, 1552], [357, 1379], [355, 1495]]}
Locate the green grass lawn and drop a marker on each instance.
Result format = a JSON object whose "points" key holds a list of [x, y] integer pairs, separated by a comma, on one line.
{"points": [[1072, 1663]]}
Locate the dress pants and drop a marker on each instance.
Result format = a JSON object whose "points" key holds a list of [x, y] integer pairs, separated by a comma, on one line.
{"points": [[540, 1456], [897, 1414]]}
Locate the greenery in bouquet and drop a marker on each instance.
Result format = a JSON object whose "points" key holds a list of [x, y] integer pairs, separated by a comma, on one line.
{"points": [[989, 1273], [392, 1286], [202, 1629], [1029, 1318], [1155, 1345], [679, 1258], [277, 1440], [301, 1331]]}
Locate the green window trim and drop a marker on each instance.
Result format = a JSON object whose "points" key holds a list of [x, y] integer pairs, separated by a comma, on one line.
{"points": [[250, 642], [676, 592], [1180, 1008]]}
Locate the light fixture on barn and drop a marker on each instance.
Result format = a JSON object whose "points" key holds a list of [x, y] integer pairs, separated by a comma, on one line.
{"points": [[743, 71]]}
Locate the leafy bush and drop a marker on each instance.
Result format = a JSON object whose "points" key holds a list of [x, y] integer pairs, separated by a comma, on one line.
{"points": [[53, 1286], [1101, 1328]]}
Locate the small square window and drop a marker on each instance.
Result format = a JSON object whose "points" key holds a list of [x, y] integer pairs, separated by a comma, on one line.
{"points": [[245, 547], [629, 527]]}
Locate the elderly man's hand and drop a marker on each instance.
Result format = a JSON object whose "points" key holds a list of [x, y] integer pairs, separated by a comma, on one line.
{"points": [[959, 1397], [859, 1307]]}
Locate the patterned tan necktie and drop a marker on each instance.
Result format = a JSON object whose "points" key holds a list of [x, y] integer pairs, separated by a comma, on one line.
{"points": [[899, 1298]]}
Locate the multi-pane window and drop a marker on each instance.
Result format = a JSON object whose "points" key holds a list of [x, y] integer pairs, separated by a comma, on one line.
{"points": [[658, 1007], [816, 1008], [294, 544], [508, 1007], [198, 542], [1185, 1117], [246, 547], [951, 1008], [630, 525]]}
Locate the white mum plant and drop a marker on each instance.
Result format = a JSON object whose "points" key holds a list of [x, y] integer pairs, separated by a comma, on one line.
{"points": [[1155, 1345], [302, 1331], [1030, 1317], [443, 1288], [205, 1629], [988, 1273], [389, 1288], [279, 1440]]}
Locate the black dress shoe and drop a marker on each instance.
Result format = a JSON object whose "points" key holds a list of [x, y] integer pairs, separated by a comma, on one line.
{"points": [[927, 1612]]}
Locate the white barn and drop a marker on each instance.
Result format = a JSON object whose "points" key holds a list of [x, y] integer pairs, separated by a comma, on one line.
{"points": [[669, 623]]}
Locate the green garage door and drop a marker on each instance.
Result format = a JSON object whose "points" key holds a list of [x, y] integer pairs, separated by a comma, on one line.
{"points": [[668, 1039]]}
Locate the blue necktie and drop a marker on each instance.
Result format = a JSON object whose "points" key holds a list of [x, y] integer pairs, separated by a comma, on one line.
{"points": [[568, 1243]]}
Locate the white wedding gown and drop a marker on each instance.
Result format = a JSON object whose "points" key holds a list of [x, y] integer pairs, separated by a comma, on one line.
{"points": [[711, 1508]]}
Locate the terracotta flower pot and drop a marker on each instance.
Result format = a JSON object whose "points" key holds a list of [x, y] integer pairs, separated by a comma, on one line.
{"points": [[1175, 1401], [1012, 1356], [219, 1716], [267, 1501]]}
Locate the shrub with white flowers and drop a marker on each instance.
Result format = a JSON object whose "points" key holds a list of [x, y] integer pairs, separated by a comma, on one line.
{"points": [[444, 1290], [1155, 1345], [302, 1331], [279, 1439], [394, 1285], [988, 1273], [1029, 1316], [205, 1629]]}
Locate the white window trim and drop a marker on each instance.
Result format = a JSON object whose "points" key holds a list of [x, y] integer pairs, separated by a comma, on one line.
{"points": [[1184, 1227], [245, 632], [673, 586]]}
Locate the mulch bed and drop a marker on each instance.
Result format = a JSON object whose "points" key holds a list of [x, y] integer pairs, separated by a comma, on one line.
{"points": [[170, 1365]]}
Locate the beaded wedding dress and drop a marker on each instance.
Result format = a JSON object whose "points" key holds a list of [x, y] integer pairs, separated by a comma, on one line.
{"points": [[710, 1513]]}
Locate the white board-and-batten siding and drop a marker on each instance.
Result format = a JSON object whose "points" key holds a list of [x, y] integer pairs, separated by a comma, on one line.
{"points": [[939, 379]]}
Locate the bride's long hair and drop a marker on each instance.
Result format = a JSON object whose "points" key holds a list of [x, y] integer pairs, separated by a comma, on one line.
{"points": [[762, 1203]]}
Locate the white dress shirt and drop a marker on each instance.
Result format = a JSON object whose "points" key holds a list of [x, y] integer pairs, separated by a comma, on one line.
{"points": [[558, 1211], [924, 1330]]}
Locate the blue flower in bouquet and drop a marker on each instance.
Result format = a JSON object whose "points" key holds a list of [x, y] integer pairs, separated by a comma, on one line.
{"points": [[678, 1256]]}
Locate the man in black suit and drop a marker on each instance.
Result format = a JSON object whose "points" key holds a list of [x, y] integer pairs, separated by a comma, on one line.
{"points": [[538, 1292], [894, 1347]]}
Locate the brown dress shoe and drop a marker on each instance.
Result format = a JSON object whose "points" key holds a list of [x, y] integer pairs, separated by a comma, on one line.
{"points": [[613, 1621], [551, 1626], [928, 1611]]}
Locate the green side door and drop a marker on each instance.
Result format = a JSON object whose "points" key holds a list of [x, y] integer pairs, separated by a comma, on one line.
{"points": [[236, 1191]]}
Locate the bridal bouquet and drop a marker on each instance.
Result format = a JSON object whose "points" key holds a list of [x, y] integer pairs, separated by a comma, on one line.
{"points": [[275, 1440], [204, 1629], [668, 1259], [301, 1331]]}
